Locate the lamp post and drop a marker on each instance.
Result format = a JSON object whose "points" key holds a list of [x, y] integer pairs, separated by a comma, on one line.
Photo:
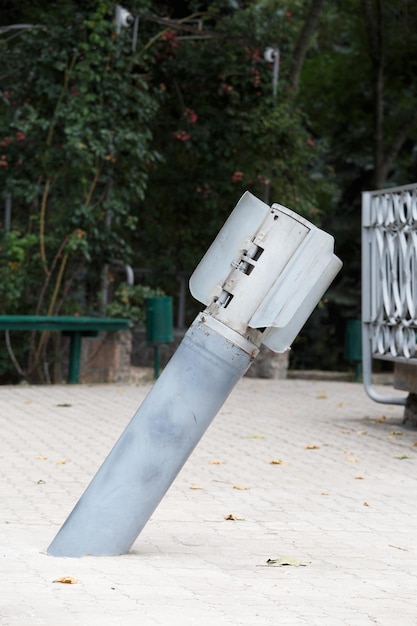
{"points": [[272, 55]]}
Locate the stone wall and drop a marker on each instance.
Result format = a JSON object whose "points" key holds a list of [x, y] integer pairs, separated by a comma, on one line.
{"points": [[405, 378], [143, 355], [106, 358], [269, 364]]}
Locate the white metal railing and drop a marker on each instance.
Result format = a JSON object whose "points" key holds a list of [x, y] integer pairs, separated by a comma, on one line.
{"points": [[389, 280]]}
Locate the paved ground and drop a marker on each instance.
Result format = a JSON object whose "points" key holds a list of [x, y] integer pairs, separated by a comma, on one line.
{"points": [[307, 470]]}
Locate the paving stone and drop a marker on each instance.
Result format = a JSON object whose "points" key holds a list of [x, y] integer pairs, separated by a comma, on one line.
{"points": [[331, 480]]}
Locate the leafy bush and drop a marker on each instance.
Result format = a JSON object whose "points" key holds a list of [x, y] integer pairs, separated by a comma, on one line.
{"points": [[129, 302]]}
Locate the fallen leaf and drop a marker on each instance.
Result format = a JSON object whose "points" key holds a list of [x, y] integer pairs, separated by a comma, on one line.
{"points": [[41, 458], [414, 444], [352, 459], [395, 433], [381, 419], [217, 462], [345, 431], [401, 457], [340, 404], [324, 493], [233, 518], [41, 482], [286, 560], [321, 396], [28, 401], [240, 488], [61, 462], [359, 478], [195, 487], [64, 404], [255, 436], [366, 504], [312, 447], [361, 432], [66, 580], [276, 462]]}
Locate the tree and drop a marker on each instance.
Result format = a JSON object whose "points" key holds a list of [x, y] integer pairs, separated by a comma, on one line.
{"points": [[221, 131], [358, 90], [303, 42], [108, 153], [76, 147], [389, 28]]}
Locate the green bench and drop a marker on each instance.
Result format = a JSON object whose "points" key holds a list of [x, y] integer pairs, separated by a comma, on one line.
{"points": [[75, 327]]}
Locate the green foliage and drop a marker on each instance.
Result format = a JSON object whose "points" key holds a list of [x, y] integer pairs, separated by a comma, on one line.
{"points": [[221, 132], [75, 107], [110, 154], [75, 143], [16, 273], [130, 302]]}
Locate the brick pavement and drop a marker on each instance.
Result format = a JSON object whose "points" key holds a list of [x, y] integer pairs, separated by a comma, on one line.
{"points": [[341, 496]]}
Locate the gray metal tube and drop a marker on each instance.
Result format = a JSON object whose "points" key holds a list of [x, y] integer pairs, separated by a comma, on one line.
{"points": [[367, 373], [135, 476], [369, 289]]}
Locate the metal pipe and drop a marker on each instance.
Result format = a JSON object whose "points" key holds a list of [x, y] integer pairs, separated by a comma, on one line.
{"points": [[370, 283], [156, 443], [260, 280], [367, 373]]}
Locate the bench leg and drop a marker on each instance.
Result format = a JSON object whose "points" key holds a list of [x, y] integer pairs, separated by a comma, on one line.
{"points": [[75, 358]]}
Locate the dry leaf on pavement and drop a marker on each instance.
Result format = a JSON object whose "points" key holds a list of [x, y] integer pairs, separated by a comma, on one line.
{"points": [[66, 580]]}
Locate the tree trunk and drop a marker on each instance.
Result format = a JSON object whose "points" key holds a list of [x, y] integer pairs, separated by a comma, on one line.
{"points": [[373, 21], [303, 42]]}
